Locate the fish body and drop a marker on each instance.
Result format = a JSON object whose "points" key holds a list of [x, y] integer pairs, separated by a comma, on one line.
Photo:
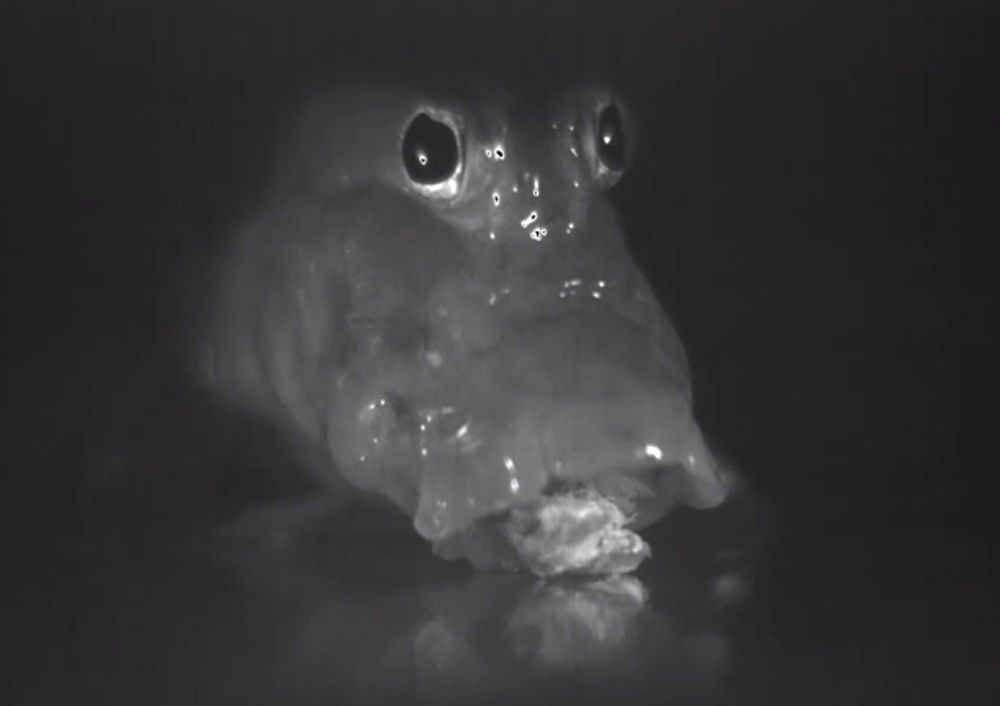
{"points": [[435, 297]]}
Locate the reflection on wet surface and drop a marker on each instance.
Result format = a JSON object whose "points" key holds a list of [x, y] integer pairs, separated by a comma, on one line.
{"points": [[379, 619], [821, 618]]}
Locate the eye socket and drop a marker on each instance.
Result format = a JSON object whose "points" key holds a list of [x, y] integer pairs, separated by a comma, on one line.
{"points": [[611, 148], [431, 153]]}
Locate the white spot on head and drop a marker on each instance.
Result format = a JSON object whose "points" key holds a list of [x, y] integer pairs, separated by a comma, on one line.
{"points": [[572, 151], [576, 184], [493, 236], [653, 451], [595, 294], [508, 463], [423, 451], [514, 485]]}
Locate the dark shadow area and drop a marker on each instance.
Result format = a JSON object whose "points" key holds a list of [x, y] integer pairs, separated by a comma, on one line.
{"points": [[802, 205]]}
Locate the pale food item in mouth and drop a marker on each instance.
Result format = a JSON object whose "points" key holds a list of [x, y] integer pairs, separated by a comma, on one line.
{"points": [[579, 531]]}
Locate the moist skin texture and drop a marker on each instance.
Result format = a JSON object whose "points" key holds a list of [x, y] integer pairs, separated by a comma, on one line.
{"points": [[472, 351]]}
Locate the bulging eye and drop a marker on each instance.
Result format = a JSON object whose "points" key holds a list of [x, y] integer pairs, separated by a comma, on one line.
{"points": [[431, 151], [611, 147]]}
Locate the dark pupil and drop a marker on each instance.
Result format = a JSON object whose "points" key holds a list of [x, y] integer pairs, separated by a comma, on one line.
{"points": [[611, 139], [430, 150]]}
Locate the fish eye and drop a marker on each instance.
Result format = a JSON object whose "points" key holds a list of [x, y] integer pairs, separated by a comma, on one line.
{"points": [[431, 153], [610, 136]]}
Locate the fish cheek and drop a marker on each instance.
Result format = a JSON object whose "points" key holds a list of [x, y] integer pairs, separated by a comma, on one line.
{"points": [[371, 435]]}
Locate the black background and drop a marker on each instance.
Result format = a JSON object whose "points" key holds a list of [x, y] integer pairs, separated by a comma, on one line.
{"points": [[802, 202]]}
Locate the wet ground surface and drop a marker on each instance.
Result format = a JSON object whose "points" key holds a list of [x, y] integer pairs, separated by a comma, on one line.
{"points": [[825, 618]]}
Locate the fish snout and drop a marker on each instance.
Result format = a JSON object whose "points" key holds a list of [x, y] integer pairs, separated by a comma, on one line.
{"points": [[577, 402]]}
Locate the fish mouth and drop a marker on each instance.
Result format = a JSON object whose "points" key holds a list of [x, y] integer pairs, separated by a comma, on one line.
{"points": [[565, 489], [478, 440], [576, 527]]}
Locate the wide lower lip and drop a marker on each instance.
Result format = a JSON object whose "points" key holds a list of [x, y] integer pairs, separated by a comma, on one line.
{"points": [[568, 529], [640, 491]]}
